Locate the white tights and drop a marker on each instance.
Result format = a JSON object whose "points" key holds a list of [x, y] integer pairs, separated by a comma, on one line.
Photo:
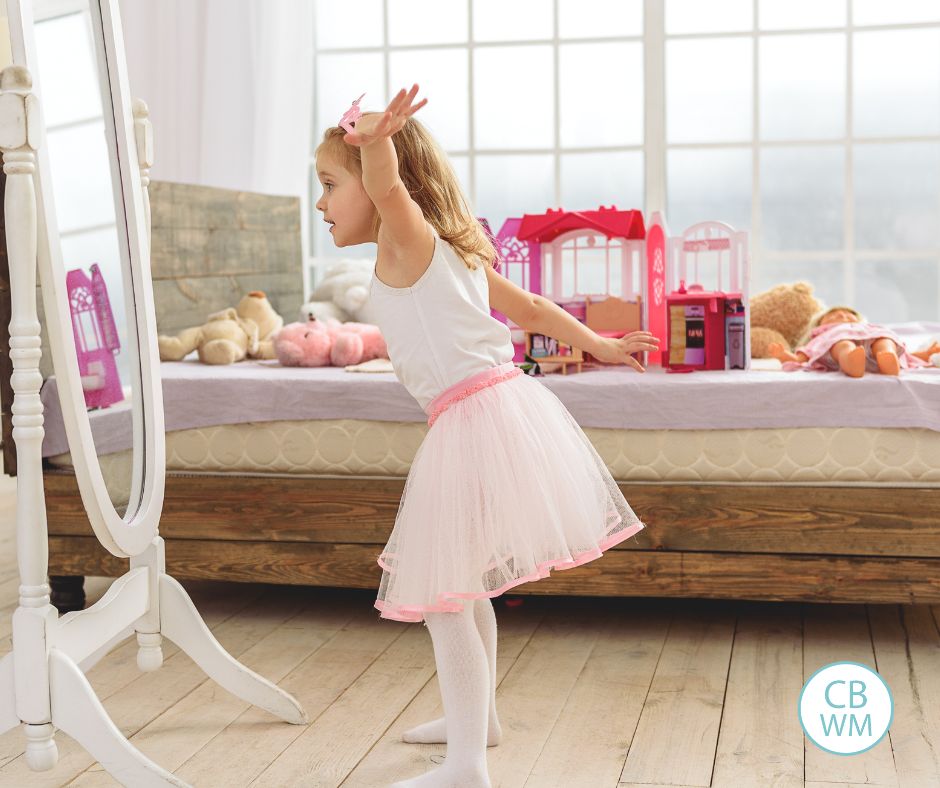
{"points": [[467, 679], [435, 731]]}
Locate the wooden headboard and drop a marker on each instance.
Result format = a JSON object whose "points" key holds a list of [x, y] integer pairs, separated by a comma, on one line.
{"points": [[209, 247]]}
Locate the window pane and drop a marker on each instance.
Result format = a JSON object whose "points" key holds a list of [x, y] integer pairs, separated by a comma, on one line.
{"points": [[796, 14], [694, 16], [897, 194], [340, 81], [824, 275], [505, 117], [461, 167], [497, 20], [81, 176], [802, 86], [427, 22], [589, 180], [708, 185], [349, 24], [878, 12], [599, 18], [68, 70], [588, 115], [513, 185], [441, 75], [898, 291], [802, 197], [897, 82], [708, 90]]}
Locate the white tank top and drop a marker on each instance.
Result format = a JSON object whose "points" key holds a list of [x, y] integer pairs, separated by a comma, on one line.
{"points": [[439, 331]]}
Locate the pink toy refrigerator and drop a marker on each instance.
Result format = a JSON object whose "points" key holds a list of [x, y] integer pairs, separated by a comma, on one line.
{"points": [[695, 329]]}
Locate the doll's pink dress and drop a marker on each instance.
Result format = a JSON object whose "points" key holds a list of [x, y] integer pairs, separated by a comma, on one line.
{"points": [[825, 336], [505, 485]]}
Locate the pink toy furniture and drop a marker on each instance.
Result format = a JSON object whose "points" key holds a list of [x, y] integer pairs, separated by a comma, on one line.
{"points": [[96, 337], [707, 328]]}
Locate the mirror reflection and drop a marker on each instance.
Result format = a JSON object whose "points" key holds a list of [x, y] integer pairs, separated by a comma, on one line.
{"points": [[75, 105]]}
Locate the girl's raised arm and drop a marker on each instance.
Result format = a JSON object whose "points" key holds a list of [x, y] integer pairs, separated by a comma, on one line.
{"points": [[403, 223]]}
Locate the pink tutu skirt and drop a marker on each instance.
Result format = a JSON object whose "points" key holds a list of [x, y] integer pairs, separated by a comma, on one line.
{"points": [[505, 487]]}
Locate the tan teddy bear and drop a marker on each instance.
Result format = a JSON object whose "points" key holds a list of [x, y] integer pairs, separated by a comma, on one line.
{"points": [[781, 314], [230, 335]]}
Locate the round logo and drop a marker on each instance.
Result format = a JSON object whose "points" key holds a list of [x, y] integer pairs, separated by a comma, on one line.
{"points": [[845, 708]]}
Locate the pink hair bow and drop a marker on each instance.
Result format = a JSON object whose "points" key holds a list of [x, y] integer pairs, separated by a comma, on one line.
{"points": [[351, 115]]}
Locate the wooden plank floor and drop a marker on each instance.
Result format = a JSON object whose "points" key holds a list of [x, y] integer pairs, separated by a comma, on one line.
{"points": [[592, 692]]}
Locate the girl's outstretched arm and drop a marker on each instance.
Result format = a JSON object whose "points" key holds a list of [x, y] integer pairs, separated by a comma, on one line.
{"points": [[538, 314]]}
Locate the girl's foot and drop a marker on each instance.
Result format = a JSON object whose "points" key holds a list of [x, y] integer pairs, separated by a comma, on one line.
{"points": [[435, 732], [852, 362], [445, 777], [888, 363]]}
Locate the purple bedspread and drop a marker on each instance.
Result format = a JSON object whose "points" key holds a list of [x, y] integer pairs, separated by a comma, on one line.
{"points": [[198, 395]]}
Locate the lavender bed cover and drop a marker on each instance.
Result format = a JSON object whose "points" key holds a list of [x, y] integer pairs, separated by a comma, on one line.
{"points": [[197, 395]]}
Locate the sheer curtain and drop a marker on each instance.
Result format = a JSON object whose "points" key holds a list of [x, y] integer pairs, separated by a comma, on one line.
{"points": [[229, 87]]}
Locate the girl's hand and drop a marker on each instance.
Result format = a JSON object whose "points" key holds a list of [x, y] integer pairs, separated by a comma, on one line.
{"points": [[370, 128], [617, 351]]}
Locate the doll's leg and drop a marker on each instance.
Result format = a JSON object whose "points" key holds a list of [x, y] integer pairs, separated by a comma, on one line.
{"points": [[885, 351], [463, 674], [435, 731], [851, 357]]}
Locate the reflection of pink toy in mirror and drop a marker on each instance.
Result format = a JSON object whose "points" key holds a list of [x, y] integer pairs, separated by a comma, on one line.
{"points": [[96, 338]]}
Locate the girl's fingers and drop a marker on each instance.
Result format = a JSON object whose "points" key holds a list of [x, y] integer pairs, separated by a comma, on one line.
{"points": [[417, 106]]}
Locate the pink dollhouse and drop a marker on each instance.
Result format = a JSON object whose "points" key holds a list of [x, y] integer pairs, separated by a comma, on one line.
{"points": [[614, 273], [96, 337]]}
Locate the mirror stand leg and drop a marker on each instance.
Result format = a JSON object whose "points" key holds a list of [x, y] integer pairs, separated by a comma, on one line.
{"points": [[77, 711], [68, 592], [41, 751], [180, 622]]}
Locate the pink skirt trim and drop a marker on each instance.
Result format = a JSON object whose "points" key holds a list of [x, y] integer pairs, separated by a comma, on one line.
{"points": [[414, 613], [470, 385]]}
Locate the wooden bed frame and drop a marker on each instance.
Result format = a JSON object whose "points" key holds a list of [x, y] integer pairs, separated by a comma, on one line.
{"points": [[742, 541]]}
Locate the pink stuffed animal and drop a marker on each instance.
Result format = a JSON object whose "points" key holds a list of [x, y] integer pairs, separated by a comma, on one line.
{"points": [[318, 343]]}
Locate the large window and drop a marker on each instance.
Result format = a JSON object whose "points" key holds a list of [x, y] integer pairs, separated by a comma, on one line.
{"points": [[538, 103], [814, 124]]}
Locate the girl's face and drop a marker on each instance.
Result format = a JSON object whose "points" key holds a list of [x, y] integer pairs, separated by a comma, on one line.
{"points": [[345, 205], [839, 316]]}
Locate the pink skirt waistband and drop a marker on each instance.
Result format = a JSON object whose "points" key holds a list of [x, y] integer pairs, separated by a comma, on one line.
{"points": [[470, 385]]}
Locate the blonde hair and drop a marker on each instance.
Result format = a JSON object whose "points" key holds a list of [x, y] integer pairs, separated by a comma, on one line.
{"points": [[818, 318], [432, 184]]}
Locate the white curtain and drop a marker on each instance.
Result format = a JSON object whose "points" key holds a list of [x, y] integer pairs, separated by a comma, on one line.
{"points": [[229, 85]]}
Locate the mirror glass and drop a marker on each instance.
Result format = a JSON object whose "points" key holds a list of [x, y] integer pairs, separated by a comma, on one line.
{"points": [[74, 92]]}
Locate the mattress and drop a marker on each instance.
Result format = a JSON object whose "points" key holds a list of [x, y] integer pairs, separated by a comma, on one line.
{"points": [[864, 456]]}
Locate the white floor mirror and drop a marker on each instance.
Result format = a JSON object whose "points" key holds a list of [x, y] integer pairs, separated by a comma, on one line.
{"points": [[42, 680]]}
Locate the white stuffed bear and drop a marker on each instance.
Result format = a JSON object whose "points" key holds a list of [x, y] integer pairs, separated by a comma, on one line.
{"points": [[342, 294]]}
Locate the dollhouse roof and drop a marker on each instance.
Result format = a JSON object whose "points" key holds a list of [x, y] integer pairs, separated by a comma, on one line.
{"points": [[546, 227]]}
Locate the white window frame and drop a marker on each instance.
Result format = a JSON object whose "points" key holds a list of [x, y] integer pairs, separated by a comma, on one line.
{"points": [[848, 254], [655, 147]]}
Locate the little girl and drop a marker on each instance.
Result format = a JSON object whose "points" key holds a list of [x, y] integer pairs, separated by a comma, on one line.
{"points": [[505, 485]]}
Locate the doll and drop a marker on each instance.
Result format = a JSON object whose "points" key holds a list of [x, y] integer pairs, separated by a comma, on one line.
{"points": [[839, 339]]}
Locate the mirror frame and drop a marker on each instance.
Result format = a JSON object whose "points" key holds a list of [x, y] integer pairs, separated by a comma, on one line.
{"points": [[133, 533]]}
